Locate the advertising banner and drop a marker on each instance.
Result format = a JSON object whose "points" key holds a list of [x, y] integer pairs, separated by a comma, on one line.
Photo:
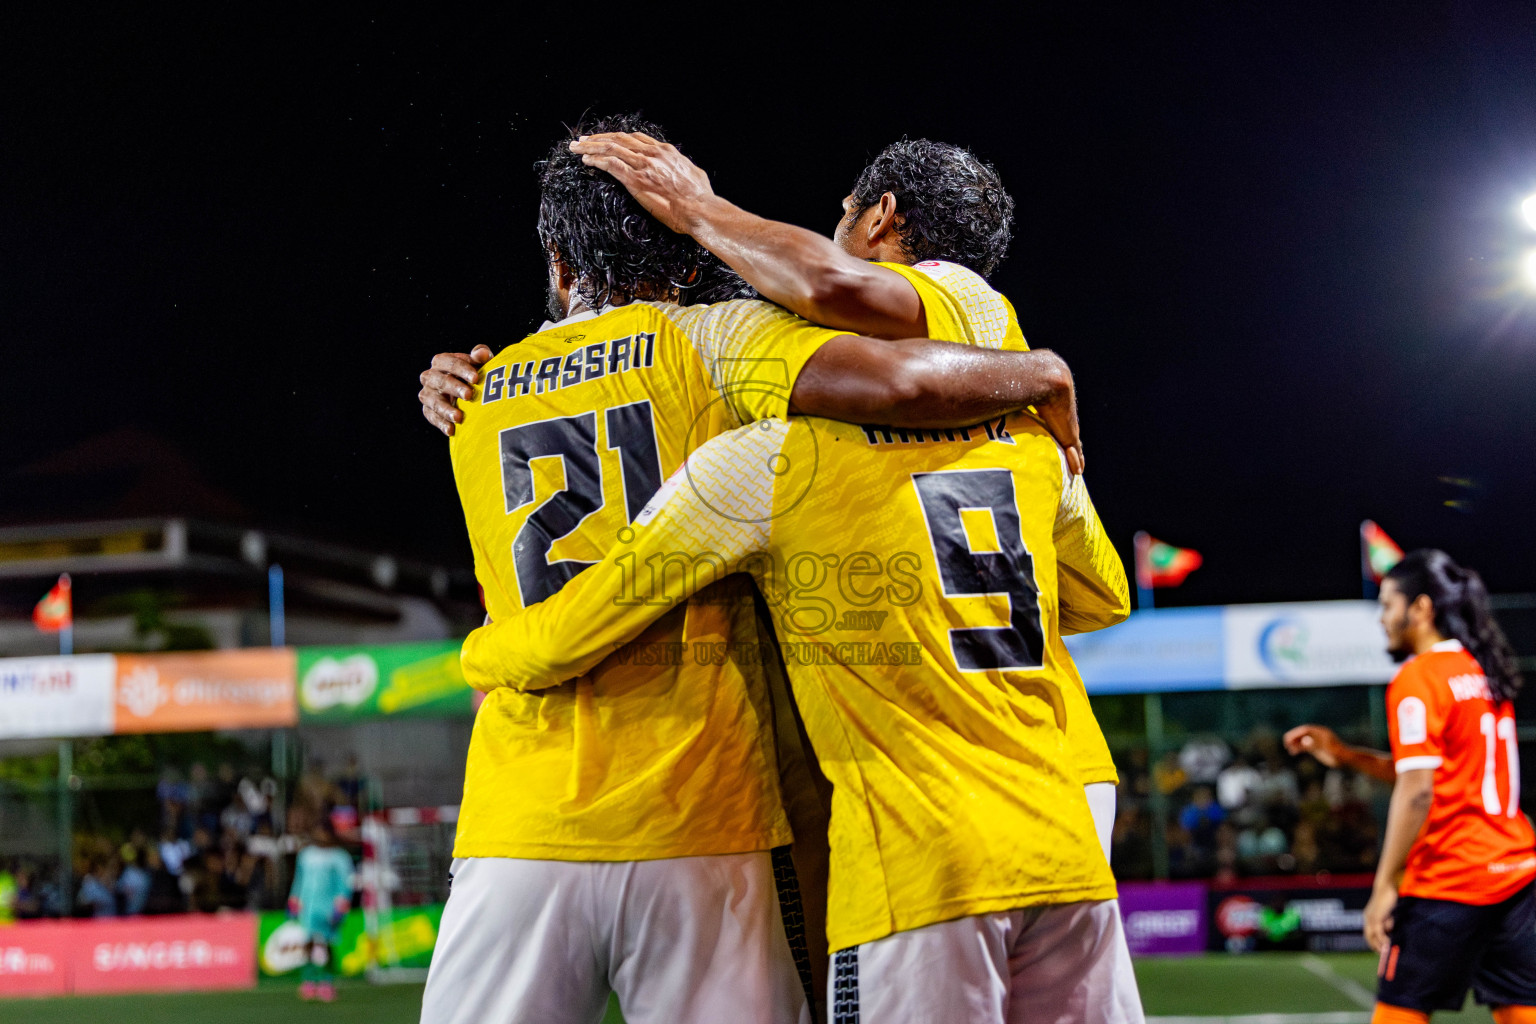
{"points": [[35, 958], [157, 954], [406, 939], [45, 697], [1322, 643], [244, 689], [1163, 918], [344, 684], [1172, 649], [1316, 918]]}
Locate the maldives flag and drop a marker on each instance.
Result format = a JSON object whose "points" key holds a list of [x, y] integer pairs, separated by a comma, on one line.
{"points": [[1163, 565], [55, 610], [1378, 552]]}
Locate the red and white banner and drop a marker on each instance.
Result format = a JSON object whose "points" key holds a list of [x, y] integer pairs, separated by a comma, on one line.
{"points": [[136, 954], [35, 958]]}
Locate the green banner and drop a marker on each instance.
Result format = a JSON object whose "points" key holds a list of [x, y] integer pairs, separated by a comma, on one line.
{"points": [[405, 940], [346, 684]]}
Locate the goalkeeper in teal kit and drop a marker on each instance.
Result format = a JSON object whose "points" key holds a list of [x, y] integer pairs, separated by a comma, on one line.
{"points": [[320, 898]]}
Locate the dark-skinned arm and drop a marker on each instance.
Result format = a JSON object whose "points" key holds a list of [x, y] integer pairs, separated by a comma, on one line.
{"points": [[1324, 744], [936, 384], [802, 271], [913, 383]]}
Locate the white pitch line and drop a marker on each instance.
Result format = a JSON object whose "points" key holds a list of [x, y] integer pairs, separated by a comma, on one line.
{"points": [[1356, 992], [1345, 1017]]}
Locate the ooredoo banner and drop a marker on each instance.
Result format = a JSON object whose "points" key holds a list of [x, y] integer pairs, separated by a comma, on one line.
{"points": [[244, 689], [1322, 643], [56, 696], [1163, 918], [1276, 914]]}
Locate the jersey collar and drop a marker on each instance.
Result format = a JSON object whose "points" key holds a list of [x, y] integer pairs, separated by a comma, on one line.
{"points": [[1447, 645], [576, 318]]}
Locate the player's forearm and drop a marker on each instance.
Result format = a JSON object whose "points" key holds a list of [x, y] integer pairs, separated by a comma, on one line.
{"points": [[1374, 763], [922, 383], [670, 558], [519, 651], [807, 273], [1406, 814]]}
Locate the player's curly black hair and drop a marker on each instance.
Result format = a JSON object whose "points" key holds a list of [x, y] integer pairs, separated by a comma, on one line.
{"points": [[616, 250], [954, 203]]}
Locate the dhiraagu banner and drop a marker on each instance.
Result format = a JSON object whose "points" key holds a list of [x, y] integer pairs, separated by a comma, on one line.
{"points": [[345, 684], [405, 940]]}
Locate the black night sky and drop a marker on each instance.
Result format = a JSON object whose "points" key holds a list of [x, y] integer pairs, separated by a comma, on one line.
{"points": [[1276, 242]]}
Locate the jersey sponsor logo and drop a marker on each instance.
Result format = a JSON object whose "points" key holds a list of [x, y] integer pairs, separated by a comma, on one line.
{"points": [[553, 373], [1469, 687], [1412, 721], [879, 434]]}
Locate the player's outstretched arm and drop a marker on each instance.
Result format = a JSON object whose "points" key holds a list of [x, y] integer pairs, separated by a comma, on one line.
{"points": [[797, 268], [681, 544], [1324, 744], [1093, 592], [929, 384], [451, 376]]}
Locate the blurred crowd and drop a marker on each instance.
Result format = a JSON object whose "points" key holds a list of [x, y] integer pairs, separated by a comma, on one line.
{"points": [[1254, 810], [224, 840]]}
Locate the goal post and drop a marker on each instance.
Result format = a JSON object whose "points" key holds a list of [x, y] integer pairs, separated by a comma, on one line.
{"points": [[407, 852]]}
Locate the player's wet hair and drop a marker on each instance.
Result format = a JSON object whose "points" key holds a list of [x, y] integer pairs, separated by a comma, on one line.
{"points": [[1462, 612], [955, 206], [615, 249]]}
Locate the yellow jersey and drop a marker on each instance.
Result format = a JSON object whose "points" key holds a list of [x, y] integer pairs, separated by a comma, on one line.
{"points": [[646, 755], [913, 580], [961, 306]]}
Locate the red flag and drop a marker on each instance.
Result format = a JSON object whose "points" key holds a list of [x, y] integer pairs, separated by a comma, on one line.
{"points": [[1163, 565], [55, 611]]}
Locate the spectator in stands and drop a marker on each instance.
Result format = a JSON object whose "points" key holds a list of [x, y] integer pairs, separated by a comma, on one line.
{"points": [[172, 794], [1136, 776], [1203, 758], [1168, 776], [1236, 784], [165, 895], [1200, 817], [1260, 847], [1304, 849], [1130, 849], [97, 897], [174, 852], [133, 883]]}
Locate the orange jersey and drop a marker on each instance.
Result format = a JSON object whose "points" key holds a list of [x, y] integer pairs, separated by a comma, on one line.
{"points": [[1476, 847]]}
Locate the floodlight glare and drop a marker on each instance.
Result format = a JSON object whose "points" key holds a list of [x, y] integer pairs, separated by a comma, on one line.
{"points": [[1528, 266], [1528, 210]]}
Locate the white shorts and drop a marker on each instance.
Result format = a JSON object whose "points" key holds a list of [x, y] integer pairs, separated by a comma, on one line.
{"points": [[1101, 804], [686, 939], [1062, 964]]}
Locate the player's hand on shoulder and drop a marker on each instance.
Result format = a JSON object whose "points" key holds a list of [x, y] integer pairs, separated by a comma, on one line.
{"points": [[1059, 416], [450, 378], [1318, 740], [666, 183]]}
